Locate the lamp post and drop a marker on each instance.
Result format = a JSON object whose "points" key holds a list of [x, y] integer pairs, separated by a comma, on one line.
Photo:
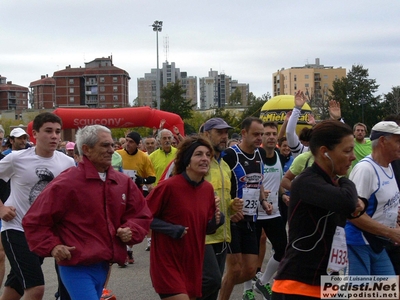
{"points": [[157, 27], [363, 101]]}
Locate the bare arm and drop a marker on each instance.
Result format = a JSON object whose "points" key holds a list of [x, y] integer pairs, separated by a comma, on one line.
{"points": [[286, 182], [366, 223]]}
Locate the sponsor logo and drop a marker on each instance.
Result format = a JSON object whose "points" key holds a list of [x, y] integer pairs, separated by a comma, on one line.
{"points": [[252, 177]]}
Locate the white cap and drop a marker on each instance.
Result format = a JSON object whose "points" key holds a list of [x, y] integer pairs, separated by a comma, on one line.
{"points": [[17, 132], [384, 128]]}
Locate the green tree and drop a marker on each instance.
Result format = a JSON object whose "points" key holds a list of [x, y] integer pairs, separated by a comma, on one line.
{"points": [[173, 101], [255, 105], [356, 96], [229, 116], [195, 122], [391, 101], [235, 98]]}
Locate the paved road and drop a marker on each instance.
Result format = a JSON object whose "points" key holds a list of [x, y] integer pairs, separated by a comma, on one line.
{"points": [[130, 283]]}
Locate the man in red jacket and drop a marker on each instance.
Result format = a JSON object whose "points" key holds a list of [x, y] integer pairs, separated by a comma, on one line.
{"points": [[86, 217]]}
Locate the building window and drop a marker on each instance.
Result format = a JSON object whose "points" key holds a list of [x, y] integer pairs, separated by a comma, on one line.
{"points": [[102, 98], [101, 79], [306, 76], [102, 89], [295, 77], [307, 85], [115, 88], [115, 98], [115, 79], [71, 81], [325, 85], [295, 86], [71, 90], [71, 99], [325, 76]]}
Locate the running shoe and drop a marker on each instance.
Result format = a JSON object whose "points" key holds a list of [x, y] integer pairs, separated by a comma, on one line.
{"points": [[264, 290], [107, 295], [248, 295], [130, 258]]}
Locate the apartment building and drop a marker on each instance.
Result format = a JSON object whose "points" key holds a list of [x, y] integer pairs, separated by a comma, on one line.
{"points": [[98, 85], [43, 93], [216, 89], [314, 79], [13, 96], [169, 73]]}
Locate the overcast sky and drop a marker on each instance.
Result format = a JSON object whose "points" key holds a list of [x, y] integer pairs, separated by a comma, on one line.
{"points": [[248, 40]]}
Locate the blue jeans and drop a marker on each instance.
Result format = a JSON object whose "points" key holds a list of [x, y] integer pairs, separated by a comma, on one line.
{"points": [[84, 282], [364, 261]]}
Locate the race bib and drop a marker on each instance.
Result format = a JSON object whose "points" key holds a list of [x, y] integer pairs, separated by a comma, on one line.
{"points": [[338, 255], [390, 212], [273, 199], [251, 198], [130, 173]]}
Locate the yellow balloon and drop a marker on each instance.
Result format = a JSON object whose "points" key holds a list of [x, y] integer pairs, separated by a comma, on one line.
{"points": [[276, 108]]}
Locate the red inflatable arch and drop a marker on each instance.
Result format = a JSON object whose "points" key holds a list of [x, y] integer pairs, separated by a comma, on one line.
{"points": [[116, 118]]}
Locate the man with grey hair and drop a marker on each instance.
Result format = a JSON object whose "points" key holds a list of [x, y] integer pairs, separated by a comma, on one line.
{"points": [[164, 155], [29, 172], [373, 176], [97, 213]]}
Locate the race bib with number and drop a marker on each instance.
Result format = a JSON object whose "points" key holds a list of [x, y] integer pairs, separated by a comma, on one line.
{"points": [[251, 198], [130, 173], [338, 255]]}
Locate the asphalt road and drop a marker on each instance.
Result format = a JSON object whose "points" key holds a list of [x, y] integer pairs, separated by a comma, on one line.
{"points": [[130, 283]]}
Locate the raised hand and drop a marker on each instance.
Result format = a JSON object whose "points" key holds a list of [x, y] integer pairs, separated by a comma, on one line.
{"points": [[299, 99], [334, 110], [311, 120]]}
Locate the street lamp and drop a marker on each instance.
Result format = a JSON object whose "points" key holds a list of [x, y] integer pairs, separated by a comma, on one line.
{"points": [[157, 27], [363, 101]]}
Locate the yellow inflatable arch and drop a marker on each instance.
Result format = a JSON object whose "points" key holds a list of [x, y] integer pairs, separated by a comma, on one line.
{"points": [[276, 108]]}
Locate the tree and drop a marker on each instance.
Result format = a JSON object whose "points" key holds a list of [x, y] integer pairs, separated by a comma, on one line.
{"points": [[255, 105], [229, 116], [193, 125], [355, 94], [391, 102], [235, 98], [319, 102], [173, 101]]}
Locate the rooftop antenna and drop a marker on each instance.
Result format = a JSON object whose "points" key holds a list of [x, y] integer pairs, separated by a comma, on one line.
{"points": [[166, 48]]}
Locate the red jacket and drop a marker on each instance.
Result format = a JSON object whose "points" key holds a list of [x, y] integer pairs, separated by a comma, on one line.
{"points": [[78, 209]]}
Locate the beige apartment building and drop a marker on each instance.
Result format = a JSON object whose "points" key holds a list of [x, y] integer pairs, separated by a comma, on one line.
{"points": [[169, 73], [314, 79]]}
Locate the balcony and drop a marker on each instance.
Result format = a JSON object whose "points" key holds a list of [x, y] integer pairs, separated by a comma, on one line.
{"points": [[91, 93], [91, 101]]}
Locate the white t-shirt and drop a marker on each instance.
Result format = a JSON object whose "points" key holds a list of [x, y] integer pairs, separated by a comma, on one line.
{"points": [[272, 177], [29, 174]]}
